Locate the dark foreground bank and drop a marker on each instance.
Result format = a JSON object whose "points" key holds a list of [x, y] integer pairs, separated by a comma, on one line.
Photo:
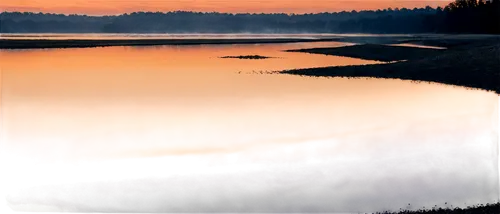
{"points": [[469, 62], [82, 43], [433, 181], [478, 209]]}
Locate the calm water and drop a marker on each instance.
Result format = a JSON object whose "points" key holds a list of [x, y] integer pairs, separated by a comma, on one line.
{"points": [[178, 129]]}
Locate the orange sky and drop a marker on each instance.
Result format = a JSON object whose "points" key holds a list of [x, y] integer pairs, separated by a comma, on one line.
{"points": [[100, 7]]}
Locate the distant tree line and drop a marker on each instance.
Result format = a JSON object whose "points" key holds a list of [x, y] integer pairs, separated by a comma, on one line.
{"points": [[461, 16]]}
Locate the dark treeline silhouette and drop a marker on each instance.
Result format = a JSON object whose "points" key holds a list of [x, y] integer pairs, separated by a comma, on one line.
{"points": [[195, 22], [469, 16]]}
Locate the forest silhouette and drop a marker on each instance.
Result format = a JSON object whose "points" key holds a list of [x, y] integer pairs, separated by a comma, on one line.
{"points": [[461, 16]]}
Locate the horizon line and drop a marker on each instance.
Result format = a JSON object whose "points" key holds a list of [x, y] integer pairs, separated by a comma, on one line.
{"points": [[205, 12]]}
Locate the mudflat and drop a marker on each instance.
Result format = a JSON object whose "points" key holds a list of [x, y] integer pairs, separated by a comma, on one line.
{"points": [[468, 61], [377, 52]]}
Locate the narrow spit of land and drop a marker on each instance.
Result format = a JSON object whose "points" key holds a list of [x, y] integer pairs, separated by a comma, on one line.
{"points": [[377, 52], [468, 61], [246, 57], [86, 43]]}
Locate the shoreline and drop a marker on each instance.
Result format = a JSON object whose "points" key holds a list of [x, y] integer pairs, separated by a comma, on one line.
{"points": [[473, 63], [377, 52], [89, 43]]}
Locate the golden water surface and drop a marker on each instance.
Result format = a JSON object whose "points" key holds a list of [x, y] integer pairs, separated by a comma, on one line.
{"points": [[185, 101]]}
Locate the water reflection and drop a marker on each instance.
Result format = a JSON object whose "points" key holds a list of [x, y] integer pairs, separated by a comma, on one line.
{"points": [[177, 129]]}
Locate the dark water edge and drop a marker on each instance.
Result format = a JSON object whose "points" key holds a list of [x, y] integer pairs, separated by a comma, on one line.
{"points": [[87, 43], [470, 63], [434, 181], [477, 209]]}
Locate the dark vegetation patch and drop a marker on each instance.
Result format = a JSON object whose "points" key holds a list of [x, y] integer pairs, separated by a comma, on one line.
{"points": [[375, 52], [478, 209], [246, 57], [476, 66]]}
